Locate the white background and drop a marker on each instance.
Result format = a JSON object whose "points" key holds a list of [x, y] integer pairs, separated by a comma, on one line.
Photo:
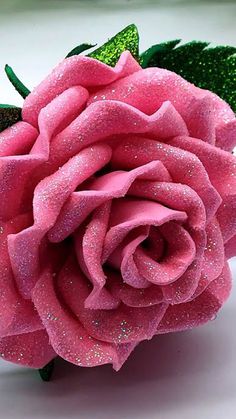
{"points": [[188, 375]]}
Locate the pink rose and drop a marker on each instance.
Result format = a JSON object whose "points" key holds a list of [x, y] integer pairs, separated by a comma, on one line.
{"points": [[118, 212]]}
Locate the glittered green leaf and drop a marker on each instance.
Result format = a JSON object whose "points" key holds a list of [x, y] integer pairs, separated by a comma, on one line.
{"points": [[161, 49], [127, 39], [9, 115], [209, 68], [46, 372], [80, 48], [19, 86]]}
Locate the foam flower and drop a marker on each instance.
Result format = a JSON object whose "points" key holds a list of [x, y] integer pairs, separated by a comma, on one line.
{"points": [[117, 195]]}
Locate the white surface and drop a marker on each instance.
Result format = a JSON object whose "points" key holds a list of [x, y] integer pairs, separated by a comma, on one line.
{"points": [[188, 375]]}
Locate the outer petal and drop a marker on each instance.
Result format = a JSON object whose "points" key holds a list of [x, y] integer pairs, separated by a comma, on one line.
{"points": [[226, 135], [17, 139], [49, 197], [18, 173], [201, 309], [213, 259], [221, 168], [122, 325], [230, 247], [75, 71], [68, 337], [148, 89], [16, 314], [108, 118], [29, 349]]}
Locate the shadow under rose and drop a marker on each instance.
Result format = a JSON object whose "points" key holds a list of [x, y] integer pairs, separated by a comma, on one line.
{"points": [[170, 372]]}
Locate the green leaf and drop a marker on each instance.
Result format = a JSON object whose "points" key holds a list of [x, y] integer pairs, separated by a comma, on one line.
{"points": [[209, 68], [9, 115], [46, 372], [80, 48], [127, 39], [19, 86], [161, 49]]}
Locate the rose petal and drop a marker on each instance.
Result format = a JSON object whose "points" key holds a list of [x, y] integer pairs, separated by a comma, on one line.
{"points": [[108, 118], [221, 168], [183, 288], [183, 166], [226, 135], [123, 257], [16, 314], [112, 185], [180, 254], [134, 297], [89, 246], [29, 349], [127, 214], [230, 247], [201, 309], [49, 196], [17, 139], [147, 89], [68, 337], [174, 195], [123, 325], [75, 71], [213, 260], [13, 187]]}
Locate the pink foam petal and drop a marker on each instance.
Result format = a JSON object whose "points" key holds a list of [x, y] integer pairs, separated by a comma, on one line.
{"points": [[68, 337], [112, 185], [155, 244], [75, 71], [127, 214], [49, 197], [89, 245], [180, 254], [108, 118], [57, 115], [226, 135], [174, 195], [183, 288], [15, 188], [147, 89], [29, 349], [134, 297], [124, 325], [221, 169], [183, 166], [17, 139], [219, 164], [123, 258], [16, 314], [201, 309], [213, 260], [230, 247]]}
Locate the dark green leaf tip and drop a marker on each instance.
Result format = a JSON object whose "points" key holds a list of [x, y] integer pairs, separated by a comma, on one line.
{"points": [[80, 48], [19, 86], [163, 48], [47, 371]]}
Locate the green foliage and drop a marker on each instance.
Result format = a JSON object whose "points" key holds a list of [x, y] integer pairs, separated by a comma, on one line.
{"points": [[9, 115]]}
